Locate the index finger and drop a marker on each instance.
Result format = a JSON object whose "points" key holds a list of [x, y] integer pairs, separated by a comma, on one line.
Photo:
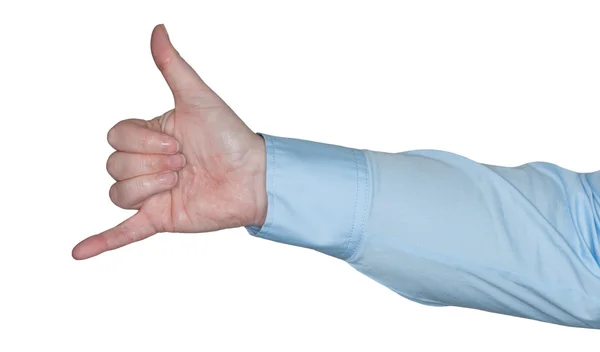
{"points": [[136, 136]]}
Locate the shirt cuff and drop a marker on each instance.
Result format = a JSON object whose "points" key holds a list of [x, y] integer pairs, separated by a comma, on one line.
{"points": [[318, 196]]}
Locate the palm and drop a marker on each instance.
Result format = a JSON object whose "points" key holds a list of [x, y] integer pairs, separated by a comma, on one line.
{"points": [[215, 187], [221, 184]]}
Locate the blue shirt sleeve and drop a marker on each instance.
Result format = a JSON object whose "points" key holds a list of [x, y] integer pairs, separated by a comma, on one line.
{"points": [[440, 229]]}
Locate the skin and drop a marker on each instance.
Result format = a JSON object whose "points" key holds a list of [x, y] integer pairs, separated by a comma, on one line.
{"points": [[196, 168]]}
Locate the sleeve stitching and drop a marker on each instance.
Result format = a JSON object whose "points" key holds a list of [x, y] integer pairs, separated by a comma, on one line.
{"points": [[271, 198], [365, 206], [347, 247]]}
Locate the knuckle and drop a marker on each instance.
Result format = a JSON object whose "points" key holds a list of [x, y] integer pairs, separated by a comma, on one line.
{"points": [[111, 165], [162, 61], [111, 136], [143, 143], [162, 120], [113, 194], [117, 196]]}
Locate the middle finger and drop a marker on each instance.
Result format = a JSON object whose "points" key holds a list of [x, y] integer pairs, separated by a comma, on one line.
{"points": [[122, 166]]}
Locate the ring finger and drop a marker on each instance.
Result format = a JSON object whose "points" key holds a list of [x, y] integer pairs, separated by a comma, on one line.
{"points": [[129, 194]]}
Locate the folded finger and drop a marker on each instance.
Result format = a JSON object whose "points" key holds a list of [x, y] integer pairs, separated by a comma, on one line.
{"points": [[130, 193], [122, 166], [136, 136]]}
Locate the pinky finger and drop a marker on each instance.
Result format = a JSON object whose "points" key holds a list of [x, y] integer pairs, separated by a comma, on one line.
{"points": [[134, 229]]}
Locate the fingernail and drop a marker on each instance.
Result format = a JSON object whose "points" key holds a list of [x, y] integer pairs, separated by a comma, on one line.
{"points": [[176, 161], [167, 178], [170, 146]]}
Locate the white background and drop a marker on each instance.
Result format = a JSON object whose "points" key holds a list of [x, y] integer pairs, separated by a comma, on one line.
{"points": [[501, 82]]}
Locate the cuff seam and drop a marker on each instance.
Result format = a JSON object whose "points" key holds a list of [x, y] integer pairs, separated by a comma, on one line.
{"points": [[347, 247], [270, 174], [361, 170]]}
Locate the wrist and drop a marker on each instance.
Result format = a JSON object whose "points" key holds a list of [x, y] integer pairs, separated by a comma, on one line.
{"points": [[259, 181]]}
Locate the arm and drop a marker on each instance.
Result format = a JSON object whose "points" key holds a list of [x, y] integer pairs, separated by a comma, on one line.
{"points": [[441, 229], [435, 227]]}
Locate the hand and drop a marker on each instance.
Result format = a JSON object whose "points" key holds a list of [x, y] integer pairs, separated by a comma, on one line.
{"points": [[196, 168]]}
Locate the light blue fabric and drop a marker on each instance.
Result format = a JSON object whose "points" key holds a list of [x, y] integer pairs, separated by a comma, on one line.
{"points": [[440, 229]]}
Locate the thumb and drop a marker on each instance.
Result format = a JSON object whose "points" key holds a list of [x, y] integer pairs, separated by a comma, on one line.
{"points": [[134, 229], [184, 82]]}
